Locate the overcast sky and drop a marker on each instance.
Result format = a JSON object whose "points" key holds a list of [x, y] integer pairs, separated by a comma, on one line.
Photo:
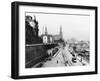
{"points": [[73, 26]]}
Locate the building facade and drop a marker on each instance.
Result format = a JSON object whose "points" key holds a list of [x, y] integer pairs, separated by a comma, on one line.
{"points": [[32, 30], [48, 38]]}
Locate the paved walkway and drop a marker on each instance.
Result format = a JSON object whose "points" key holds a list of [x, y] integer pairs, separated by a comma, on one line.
{"points": [[62, 58]]}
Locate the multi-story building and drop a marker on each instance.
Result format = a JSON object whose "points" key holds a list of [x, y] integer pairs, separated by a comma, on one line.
{"points": [[32, 30], [48, 38]]}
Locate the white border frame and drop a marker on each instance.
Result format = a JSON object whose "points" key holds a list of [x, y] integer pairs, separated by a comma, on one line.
{"points": [[39, 71]]}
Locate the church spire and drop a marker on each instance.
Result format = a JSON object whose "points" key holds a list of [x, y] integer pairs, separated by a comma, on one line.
{"points": [[61, 31], [46, 30]]}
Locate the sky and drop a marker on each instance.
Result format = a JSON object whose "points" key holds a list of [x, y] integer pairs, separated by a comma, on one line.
{"points": [[73, 26]]}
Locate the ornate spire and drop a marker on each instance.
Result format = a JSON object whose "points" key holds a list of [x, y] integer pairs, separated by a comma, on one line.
{"points": [[46, 30], [61, 31]]}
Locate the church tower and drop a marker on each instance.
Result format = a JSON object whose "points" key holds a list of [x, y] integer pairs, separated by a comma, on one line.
{"points": [[60, 33], [46, 31], [45, 36]]}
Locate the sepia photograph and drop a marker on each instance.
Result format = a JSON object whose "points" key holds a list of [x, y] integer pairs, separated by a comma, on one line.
{"points": [[56, 40]]}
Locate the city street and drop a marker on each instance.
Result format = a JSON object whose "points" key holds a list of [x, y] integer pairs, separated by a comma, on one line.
{"points": [[62, 58]]}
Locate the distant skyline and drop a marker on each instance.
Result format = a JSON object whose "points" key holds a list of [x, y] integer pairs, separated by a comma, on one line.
{"points": [[73, 26]]}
